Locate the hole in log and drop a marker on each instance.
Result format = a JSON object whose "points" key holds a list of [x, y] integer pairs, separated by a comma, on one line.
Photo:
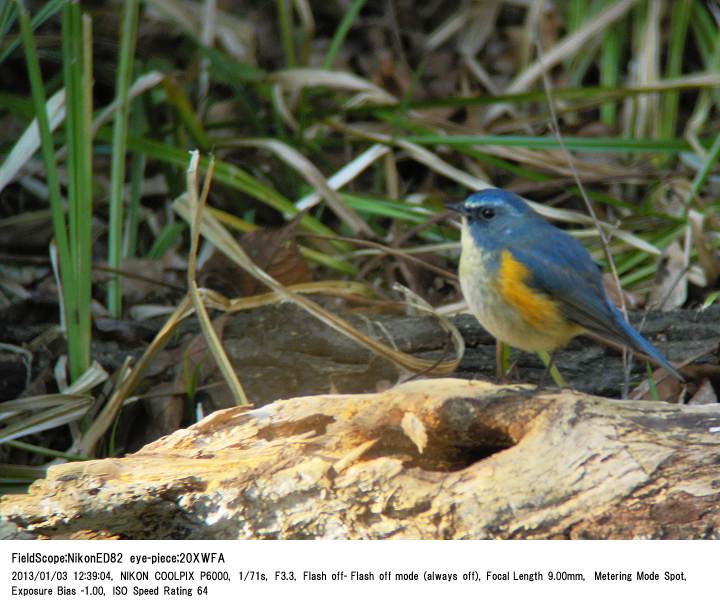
{"points": [[461, 432]]}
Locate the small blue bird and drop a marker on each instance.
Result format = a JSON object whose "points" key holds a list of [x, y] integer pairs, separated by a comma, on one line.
{"points": [[530, 284]]}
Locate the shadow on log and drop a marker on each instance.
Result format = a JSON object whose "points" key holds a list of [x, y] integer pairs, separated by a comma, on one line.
{"points": [[431, 459]]}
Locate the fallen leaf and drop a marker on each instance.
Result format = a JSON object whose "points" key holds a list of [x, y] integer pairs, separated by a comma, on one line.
{"points": [[669, 389], [275, 251]]}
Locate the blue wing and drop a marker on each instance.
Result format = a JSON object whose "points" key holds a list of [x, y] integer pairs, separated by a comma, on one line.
{"points": [[563, 269]]}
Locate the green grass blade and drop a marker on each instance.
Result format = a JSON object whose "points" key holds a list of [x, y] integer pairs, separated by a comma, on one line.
{"points": [[20, 473], [76, 50], [385, 209], [652, 385], [44, 451], [706, 39], [177, 97], [707, 166], [554, 372], [85, 209], [705, 31], [326, 260], [598, 94], [165, 239], [137, 171], [231, 176], [119, 146], [599, 144], [286, 32], [7, 18], [610, 58], [341, 32], [48, 153], [44, 13], [679, 26]]}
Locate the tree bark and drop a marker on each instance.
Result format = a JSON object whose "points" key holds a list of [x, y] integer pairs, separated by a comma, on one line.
{"points": [[430, 459]]}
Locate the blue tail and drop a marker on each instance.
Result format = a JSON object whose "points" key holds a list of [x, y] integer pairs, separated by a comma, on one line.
{"points": [[637, 342]]}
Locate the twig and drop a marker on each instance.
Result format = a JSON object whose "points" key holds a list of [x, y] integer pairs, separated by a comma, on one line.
{"points": [[388, 250]]}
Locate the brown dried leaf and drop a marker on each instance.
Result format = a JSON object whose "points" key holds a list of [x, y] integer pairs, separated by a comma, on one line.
{"points": [[275, 251], [669, 389], [164, 413]]}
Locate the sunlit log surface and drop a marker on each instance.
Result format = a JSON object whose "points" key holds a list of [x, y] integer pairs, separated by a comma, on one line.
{"points": [[431, 459]]}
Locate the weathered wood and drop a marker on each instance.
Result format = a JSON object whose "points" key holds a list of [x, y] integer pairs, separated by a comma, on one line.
{"points": [[497, 462]]}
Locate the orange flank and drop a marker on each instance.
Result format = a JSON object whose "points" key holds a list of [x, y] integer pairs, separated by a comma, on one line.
{"points": [[536, 309]]}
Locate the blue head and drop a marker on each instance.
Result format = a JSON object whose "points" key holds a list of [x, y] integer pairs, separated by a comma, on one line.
{"points": [[493, 214]]}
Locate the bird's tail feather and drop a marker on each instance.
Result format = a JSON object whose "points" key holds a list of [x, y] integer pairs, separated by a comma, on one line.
{"points": [[637, 342]]}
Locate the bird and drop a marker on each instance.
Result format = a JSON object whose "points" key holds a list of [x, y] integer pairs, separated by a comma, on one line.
{"points": [[530, 284]]}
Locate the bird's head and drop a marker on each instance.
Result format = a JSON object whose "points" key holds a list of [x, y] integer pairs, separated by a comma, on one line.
{"points": [[492, 209], [493, 218]]}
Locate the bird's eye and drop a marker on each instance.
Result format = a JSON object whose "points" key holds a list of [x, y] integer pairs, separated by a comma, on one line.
{"points": [[487, 212]]}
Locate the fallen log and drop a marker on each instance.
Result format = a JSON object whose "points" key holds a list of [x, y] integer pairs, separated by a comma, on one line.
{"points": [[281, 351], [430, 459]]}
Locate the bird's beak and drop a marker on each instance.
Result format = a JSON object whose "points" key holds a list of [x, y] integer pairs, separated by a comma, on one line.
{"points": [[458, 207]]}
